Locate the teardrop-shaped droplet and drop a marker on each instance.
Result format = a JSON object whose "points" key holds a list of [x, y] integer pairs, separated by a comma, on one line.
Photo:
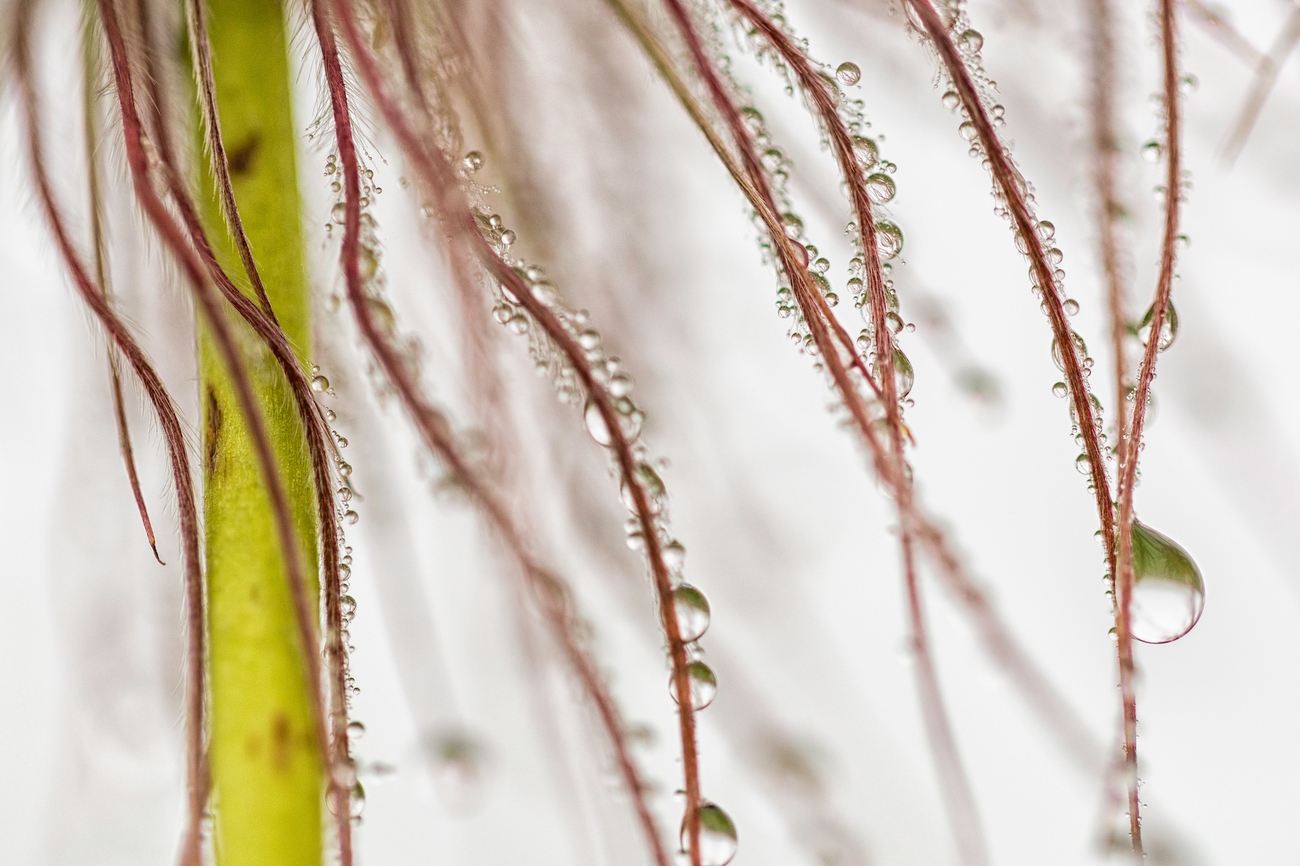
{"points": [[1168, 592], [703, 684], [692, 610], [596, 425], [1168, 331], [718, 837]]}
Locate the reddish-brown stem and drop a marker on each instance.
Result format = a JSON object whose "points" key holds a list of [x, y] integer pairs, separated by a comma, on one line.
{"points": [[101, 279], [173, 435], [201, 51], [1147, 372], [1008, 180], [174, 239], [430, 424]]}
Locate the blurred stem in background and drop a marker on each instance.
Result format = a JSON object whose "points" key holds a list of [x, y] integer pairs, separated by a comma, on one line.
{"points": [[266, 768]]}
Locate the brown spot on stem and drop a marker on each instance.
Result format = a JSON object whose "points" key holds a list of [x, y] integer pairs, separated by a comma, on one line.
{"points": [[280, 743], [242, 155], [213, 434]]}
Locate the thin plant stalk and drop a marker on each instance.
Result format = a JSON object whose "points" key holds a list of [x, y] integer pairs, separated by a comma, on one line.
{"points": [[90, 83], [173, 435], [431, 425], [1147, 372]]}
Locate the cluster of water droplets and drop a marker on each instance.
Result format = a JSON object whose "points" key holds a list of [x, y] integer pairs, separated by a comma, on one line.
{"points": [[690, 605]]}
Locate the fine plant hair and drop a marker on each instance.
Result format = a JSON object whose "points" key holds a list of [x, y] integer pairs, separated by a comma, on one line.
{"points": [[411, 70]]}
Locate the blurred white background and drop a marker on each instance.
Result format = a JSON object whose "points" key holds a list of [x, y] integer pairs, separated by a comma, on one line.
{"points": [[814, 744]]}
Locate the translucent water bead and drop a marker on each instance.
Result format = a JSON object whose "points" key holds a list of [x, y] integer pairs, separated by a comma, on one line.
{"points": [[703, 684], [1168, 592], [848, 73], [692, 610], [459, 766], [718, 837]]}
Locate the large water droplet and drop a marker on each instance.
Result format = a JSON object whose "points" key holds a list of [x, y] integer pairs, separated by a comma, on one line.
{"points": [[473, 161], [320, 384], [1168, 593], [1168, 330], [848, 73], [718, 838], [971, 41], [867, 151], [880, 188], [692, 610], [889, 239], [950, 99], [703, 684]]}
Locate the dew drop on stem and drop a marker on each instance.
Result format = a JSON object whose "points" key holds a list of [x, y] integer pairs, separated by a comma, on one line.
{"points": [[703, 684], [848, 73], [1168, 592], [718, 837], [880, 188], [692, 609], [970, 41], [1168, 331]]}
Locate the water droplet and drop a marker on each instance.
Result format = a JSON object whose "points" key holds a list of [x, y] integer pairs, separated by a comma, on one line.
{"points": [[345, 468], [589, 339], [1046, 230], [880, 188], [596, 425], [620, 385], [1168, 330], [330, 416], [718, 837], [950, 99], [1060, 389], [674, 555], [866, 150], [1083, 464], [967, 130], [473, 161], [848, 73], [793, 225], [358, 801], [339, 213], [508, 238], [703, 684], [692, 610], [1071, 306], [752, 118], [351, 517], [904, 374], [970, 41], [1080, 347], [356, 730], [518, 324], [889, 239], [347, 607], [320, 384], [1168, 593], [1153, 151]]}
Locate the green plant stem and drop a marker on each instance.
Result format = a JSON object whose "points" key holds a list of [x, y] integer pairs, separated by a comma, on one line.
{"points": [[266, 766]]}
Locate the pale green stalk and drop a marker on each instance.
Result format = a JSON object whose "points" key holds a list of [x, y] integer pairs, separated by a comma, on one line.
{"points": [[267, 771]]}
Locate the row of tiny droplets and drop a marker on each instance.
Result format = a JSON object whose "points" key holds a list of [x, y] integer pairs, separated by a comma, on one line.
{"points": [[347, 515], [690, 605], [880, 188], [970, 43]]}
